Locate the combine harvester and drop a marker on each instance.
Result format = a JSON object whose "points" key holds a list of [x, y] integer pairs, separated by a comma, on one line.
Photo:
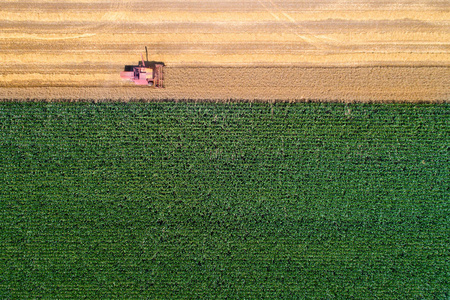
{"points": [[149, 73]]}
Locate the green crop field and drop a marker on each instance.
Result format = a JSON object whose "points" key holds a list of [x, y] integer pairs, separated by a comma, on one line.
{"points": [[235, 200]]}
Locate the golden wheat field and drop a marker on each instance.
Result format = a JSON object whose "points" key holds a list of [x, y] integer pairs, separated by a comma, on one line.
{"points": [[367, 50]]}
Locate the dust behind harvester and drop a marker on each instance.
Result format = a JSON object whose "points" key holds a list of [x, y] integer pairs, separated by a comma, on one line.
{"points": [[147, 72]]}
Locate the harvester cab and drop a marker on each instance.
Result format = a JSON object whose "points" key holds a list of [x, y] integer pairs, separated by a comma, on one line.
{"points": [[147, 72]]}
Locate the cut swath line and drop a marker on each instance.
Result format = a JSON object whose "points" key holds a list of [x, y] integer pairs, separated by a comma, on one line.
{"points": [[49, 37]]}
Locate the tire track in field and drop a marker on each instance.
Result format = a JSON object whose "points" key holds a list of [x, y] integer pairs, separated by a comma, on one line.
{"points": [[311, 38]]}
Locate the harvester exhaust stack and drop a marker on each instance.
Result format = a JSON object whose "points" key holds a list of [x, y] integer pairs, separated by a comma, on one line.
{"points": [[147, 72]]}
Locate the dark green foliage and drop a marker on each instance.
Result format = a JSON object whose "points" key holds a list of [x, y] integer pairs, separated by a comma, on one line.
{"points": [[186, 200]]}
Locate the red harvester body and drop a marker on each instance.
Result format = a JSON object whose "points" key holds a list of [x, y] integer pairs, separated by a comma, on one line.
{"points": [[149, 73]]}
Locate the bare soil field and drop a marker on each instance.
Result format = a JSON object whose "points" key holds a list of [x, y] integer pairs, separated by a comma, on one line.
{"points": [[253, 50]]}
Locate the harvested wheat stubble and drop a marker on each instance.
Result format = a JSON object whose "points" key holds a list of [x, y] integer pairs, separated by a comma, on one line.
{"points": [[363, 50]]}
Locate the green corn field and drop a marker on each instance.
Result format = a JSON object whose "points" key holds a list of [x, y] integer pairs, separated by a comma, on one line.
{"points": [[234, 200]]}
